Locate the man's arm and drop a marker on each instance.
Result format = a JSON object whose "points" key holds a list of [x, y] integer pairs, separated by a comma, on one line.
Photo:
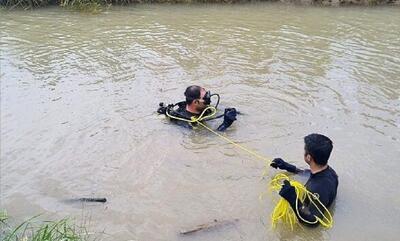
{"points": [[306, 214], [279, 163], [229, 117]]}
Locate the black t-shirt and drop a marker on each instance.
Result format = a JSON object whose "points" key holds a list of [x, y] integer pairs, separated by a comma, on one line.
{"points": [[324, 184]]}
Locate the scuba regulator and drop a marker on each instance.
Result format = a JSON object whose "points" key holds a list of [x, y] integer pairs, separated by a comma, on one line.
{"points": [[207, 99]]}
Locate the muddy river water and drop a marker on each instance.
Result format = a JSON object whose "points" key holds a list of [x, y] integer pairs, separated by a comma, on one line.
{"points": [[79, 94]]}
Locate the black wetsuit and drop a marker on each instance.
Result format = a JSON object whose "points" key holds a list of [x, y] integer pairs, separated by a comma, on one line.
{"points": [[184, 113], [178, 110], [181, 112], [324, 184]]}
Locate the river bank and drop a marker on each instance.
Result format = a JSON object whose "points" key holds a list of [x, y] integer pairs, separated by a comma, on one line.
{"points": [[96, 5]]}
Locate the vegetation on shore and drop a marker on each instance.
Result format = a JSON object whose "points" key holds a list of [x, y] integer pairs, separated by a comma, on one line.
{"points": [[97, 5], [73, 4], [33, 230]]}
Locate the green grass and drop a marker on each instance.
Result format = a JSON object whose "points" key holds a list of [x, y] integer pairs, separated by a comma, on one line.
{"points": [[24, 4], [92, 6], [96, 5], [33, 230]]}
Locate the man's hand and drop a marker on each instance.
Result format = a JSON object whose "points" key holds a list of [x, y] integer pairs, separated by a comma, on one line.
{"points": [[230, 114], [162, 109], [279, 163], [229, 118], [288, 192]]}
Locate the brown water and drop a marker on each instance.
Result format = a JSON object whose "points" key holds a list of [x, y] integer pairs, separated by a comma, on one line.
{"points": [[79, 91]]}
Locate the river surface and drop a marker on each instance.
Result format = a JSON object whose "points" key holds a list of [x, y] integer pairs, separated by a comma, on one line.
{"points": [[79, 94]]}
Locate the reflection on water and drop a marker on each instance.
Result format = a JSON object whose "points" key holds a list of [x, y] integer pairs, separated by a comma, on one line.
{"points": [[78, 95]]}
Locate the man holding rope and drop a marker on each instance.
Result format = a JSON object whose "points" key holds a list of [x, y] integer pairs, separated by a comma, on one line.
{"points": [[323, 181]]}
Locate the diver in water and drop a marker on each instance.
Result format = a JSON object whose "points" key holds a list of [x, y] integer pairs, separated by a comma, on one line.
{"points": [[323, 180], [197, 105]]}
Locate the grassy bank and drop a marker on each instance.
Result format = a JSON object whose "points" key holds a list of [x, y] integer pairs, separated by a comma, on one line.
{"points": [[97, 5], [74, 4], [34, 230]]}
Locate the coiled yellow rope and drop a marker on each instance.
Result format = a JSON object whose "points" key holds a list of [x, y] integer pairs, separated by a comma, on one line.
{"points": [[284, 213]]}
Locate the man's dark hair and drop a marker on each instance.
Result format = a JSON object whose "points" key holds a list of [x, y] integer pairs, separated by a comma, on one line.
{"points": [[319, 147], [192, 93]]}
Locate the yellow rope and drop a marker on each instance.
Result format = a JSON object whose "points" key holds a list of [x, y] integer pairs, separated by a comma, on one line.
{"points": [[283, 212], [202, 117], [255, 154]]}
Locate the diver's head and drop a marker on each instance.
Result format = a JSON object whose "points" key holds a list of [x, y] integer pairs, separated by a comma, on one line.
{"points": [[317, 149], [197, 99]]}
